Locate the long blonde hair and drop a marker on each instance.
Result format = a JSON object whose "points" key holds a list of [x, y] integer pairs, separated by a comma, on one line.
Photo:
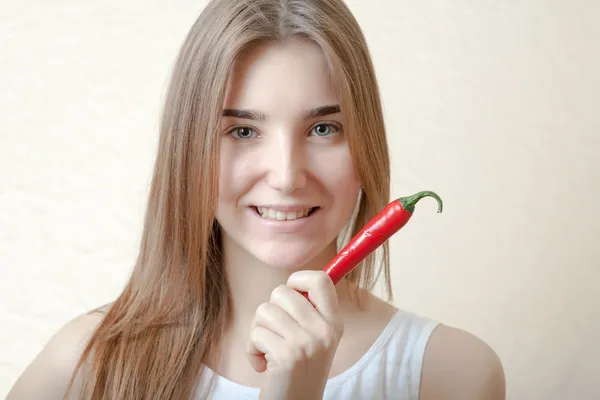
{"points": [[154, 339]]}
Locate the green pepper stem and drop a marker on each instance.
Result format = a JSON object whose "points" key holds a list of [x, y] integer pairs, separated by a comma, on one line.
{"points": [[408, 203]]}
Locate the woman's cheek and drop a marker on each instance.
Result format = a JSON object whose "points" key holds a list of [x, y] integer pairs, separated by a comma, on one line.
{"points": [[235, 169]]}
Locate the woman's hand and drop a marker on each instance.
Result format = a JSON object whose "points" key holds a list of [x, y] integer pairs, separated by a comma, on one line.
{"points": [[294, 341]]}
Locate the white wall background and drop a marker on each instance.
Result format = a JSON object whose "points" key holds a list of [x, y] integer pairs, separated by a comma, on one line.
{"points": [[494, 105]]}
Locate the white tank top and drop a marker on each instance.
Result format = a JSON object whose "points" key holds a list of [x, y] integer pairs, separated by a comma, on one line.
{"points": [[390, 369]]}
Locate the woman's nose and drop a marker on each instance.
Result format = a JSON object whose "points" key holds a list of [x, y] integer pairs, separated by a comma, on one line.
{"points": [[286, 161]]}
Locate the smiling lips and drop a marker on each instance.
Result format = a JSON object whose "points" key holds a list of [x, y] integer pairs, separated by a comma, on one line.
{"points": [[284, 215]]}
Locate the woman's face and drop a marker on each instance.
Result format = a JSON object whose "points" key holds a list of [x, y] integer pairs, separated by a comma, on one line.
{"points": [[287, 180]]}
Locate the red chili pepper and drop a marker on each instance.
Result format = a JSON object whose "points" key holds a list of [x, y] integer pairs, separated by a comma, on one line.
{"points": [[389, 221]]}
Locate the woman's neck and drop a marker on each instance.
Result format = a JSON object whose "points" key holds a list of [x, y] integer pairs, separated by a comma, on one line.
{"points": [[251, 283]]}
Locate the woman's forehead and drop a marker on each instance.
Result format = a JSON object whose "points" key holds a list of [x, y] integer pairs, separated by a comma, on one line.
{"points": [[271, 76]]}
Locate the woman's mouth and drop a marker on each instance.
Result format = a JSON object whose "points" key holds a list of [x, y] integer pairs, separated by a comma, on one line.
{"points": [[276, 215]]}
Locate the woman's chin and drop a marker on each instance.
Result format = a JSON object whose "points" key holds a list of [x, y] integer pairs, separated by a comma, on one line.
{"points": [[294, 260], [286, 262]]}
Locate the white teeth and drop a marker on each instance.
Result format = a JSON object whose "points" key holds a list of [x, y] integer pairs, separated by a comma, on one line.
{"points": [[269, 213]]}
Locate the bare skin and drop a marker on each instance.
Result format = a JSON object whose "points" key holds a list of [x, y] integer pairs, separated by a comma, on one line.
{"points": [[361, 327]]}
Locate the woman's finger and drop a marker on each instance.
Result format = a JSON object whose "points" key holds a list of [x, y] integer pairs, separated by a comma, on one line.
{"points": [[317, 331], [296, 305], [321, 291], [263, 346], [277, 320]]}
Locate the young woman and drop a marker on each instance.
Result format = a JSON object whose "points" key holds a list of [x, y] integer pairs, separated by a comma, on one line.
{"points": [[272, 154]]}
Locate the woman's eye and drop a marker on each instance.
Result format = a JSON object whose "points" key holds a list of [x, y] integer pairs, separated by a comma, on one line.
{"points": [[325, 129], [242, 132]]}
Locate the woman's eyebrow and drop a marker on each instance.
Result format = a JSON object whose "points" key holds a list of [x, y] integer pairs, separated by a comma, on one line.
{"points": [[260, 116]]}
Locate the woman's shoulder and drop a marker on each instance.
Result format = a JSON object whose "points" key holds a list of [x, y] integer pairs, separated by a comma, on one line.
{"points": [[49, 374], [443, 361], [458, 364]]}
